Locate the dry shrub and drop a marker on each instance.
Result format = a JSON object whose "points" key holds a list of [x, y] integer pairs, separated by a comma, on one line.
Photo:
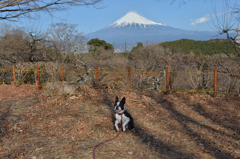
{"points": [[49, 72], [102, 54], [107, 63], [200, 66], [112, 81], [6, 76], [148, 59], [152, 58], [66, 88]]}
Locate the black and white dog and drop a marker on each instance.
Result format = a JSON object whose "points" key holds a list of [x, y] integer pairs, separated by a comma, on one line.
{"points": [[122, 116]]}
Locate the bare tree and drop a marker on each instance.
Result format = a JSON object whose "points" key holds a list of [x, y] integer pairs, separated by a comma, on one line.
{"points": [[65, 38], [201, 66], [36, 47], [13, 45], [149, 64], [69, 43], [230, 69], [24, 45], [226, 23], [13, 9], [155, 80]]}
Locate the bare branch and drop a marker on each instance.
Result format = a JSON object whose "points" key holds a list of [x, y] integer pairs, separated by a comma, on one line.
{"points": [[225, 23], [12, 9]]}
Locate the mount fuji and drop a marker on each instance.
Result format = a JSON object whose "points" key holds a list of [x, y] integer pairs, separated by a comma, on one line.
{"points": [[133, 28]]}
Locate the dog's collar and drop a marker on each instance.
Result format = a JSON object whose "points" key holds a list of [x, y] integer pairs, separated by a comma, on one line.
{"points": [[121, 113]]}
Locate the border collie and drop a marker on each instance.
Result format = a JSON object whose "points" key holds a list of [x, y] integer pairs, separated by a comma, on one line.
{"points": [[122, 116]]}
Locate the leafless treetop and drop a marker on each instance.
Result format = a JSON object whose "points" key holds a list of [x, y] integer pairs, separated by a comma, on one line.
{"points": [[12, 9]]}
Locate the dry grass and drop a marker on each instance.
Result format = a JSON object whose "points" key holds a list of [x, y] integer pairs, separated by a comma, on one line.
{"points": [[52, 125]]}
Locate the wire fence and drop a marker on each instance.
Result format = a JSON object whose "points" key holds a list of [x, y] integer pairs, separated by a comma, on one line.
{"points": [[166, 86]]}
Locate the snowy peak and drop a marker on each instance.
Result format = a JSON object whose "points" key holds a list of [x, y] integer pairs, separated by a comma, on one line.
{"points": [[132, 18]]}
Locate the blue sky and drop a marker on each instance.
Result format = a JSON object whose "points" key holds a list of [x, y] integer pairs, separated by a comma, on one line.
{"points": [[194, 15]]}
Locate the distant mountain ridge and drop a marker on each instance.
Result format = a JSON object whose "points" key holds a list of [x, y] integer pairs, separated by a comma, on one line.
{"points": [[133, 28]]}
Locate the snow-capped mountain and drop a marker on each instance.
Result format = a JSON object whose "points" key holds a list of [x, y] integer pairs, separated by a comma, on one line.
{"points": [[132, 18], [133, 28]]}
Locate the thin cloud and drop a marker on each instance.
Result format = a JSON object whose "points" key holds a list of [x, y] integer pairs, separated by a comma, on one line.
{"points": [[201, 20], [207, 17], [222, 13]]}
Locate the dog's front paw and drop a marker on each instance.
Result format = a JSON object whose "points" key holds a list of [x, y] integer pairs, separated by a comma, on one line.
{"points": [[116, 128]]}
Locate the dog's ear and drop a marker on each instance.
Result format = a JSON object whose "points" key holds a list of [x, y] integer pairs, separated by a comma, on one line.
{"points": [[123, 100], [116, 100]]}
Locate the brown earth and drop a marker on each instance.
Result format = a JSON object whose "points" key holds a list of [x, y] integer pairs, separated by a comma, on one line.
{"points": [[46, 124]]}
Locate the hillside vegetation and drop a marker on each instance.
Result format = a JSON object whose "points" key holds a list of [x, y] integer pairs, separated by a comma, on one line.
{"points": [[211, 47]]}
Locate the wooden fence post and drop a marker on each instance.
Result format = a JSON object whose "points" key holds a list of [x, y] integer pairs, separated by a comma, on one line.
{"points": [[62, 74], [129, 78], [167, 79], [14, 77], [215, 83], [96, 75], [38, 74]]}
